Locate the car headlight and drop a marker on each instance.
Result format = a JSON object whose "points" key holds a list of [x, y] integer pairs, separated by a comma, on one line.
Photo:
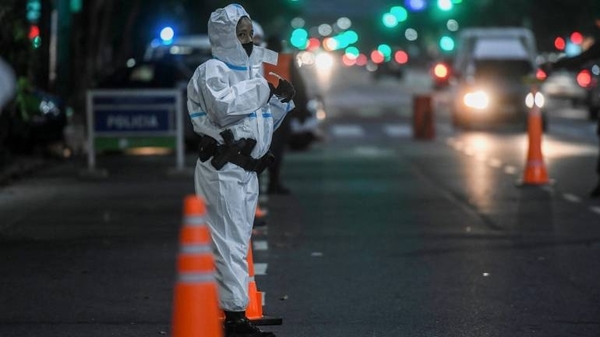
{"points": [[477, 100], [324, 61], [539, 100]]}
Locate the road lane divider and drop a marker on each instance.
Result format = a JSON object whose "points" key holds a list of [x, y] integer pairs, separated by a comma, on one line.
{"points": [[511, 170], [571, 197]]}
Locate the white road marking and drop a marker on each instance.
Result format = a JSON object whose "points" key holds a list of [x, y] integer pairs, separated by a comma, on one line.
{"points": [[397, 130], [347, 131], [495, 162], [595, 209], [260, 245], [571, 197], [260, 268], [510, 169]]}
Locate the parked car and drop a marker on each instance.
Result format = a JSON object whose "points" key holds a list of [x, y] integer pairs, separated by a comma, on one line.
{"points": [[34, 122], [387, 69], [563, 85]]}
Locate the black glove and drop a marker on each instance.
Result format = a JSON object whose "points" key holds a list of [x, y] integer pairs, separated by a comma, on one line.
{"points": [[272, 88], [285, 90]]}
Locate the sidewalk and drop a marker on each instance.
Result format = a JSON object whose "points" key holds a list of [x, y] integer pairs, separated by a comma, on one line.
{"points": [[20, 166]]}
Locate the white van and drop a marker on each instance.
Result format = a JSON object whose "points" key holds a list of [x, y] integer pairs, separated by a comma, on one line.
{"points": [[492, 67]]}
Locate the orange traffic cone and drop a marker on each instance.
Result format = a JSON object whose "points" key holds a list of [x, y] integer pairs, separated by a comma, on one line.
{"points": [[254, 311], [535, 169], [195, 306], [260, 215], [260, 212]]}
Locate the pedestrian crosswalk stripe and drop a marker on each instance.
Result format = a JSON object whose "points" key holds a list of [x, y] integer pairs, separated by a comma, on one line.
{"points": [[261, 245], [397, 130], [260, 268], [347, 131]]}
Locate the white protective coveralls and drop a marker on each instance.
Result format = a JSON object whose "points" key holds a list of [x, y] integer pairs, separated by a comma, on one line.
{"points": [[229, 92]]}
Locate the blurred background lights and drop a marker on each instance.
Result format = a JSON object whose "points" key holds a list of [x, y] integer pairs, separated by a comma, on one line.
{"points": [[306, 58], [411, 34], [325, 29], [167, 34], [576, 38], [361, 60], [401, 57], [415, 5], [377, 56], [447, 43], [445, 5], [400, 13], [348, 61], [452, 25], [385, 50], [324, 61], [298, 22], [389, 20], [299, 38], [572, 49], [344, 23], [313, 44], [330, 44], [560, 43], [352, 52]]}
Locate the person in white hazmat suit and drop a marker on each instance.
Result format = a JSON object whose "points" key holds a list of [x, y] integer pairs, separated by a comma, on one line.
{"points": [[235, 111]]}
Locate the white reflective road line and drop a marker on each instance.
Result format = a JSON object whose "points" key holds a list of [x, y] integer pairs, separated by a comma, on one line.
{"points": [[397, 130], [595, 209], [571, 197], [260, 268], [347, 131], [495, 162], [260, 245], [510, 169]]}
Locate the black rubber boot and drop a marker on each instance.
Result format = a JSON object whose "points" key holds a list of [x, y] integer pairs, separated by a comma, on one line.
{"points": [[237, 325]]}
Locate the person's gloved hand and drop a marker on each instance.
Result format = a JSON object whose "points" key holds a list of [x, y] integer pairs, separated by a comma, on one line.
{"points": [[272, 88], [285, 90]]}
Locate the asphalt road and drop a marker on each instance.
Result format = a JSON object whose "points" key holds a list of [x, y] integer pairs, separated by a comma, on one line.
{"points": [[383, 235]]}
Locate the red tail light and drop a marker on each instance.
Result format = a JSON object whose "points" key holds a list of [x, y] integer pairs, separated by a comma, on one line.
{"points": [[584, 78], [540, 75]]}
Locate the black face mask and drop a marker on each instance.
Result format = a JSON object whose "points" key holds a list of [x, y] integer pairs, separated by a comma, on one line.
{"points": [[248, 47]]}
